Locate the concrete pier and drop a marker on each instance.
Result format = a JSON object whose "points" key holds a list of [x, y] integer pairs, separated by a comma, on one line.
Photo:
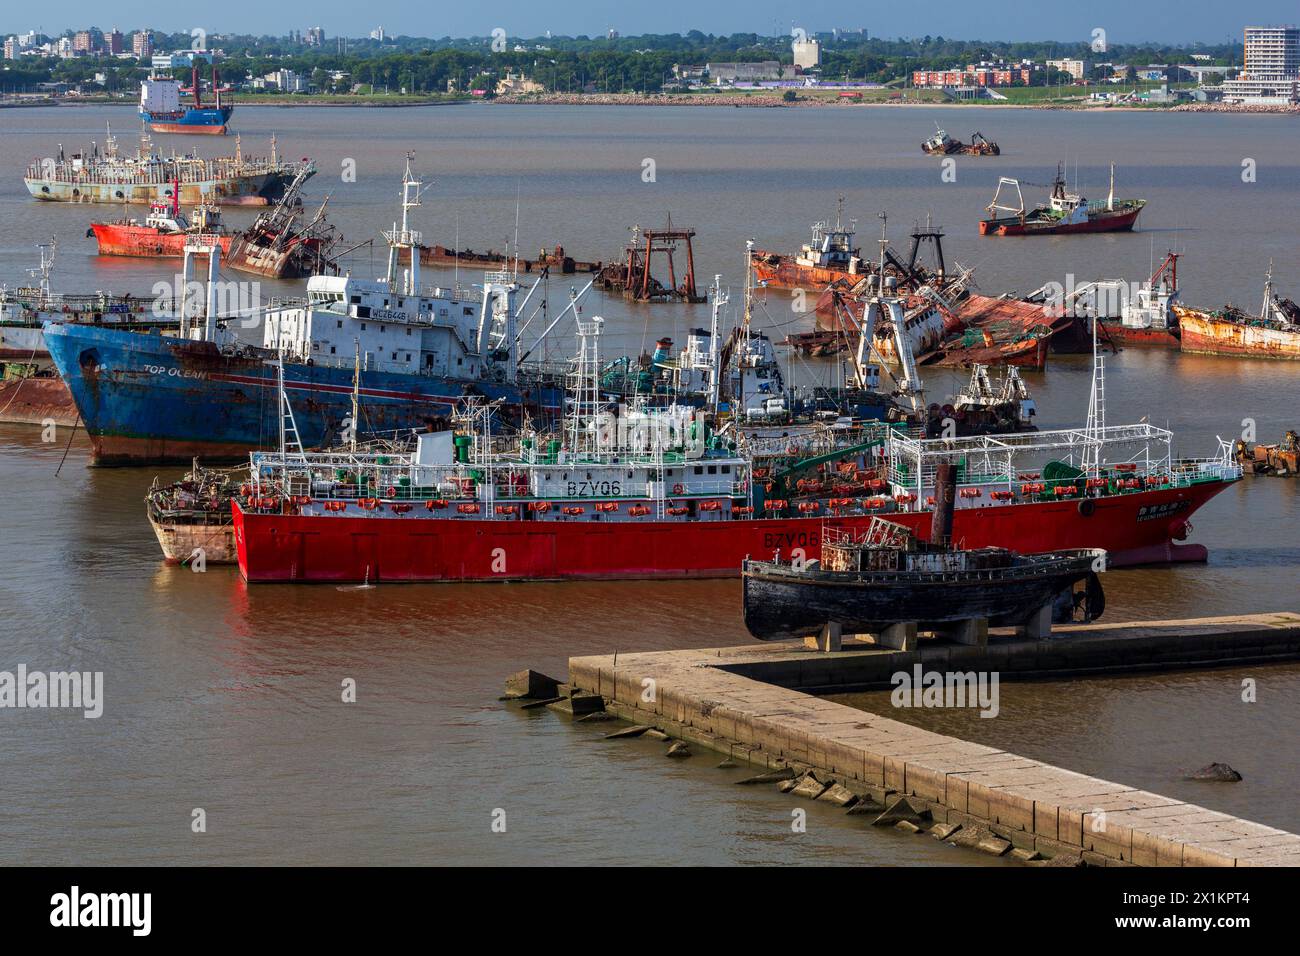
{"points": [[755, 703]]}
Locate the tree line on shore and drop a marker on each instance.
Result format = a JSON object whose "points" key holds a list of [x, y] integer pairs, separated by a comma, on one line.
{"points": [[569, 64]]}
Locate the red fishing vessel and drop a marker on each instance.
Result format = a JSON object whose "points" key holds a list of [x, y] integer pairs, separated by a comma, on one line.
{"points": [[1065, 213], [653, 493], [163, 233]]}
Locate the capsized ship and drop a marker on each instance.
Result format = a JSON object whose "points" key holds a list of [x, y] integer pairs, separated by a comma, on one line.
{"points": [[1273, 332], [162, 111], [653, 493], [149, 177], [941, 144], [370, 357], [1065, 213]]}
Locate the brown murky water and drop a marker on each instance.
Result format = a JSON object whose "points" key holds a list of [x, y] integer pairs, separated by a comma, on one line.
{"points": [[227, 697]]}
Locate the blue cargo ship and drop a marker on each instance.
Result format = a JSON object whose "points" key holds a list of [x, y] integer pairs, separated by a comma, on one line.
{"points": [[162, 110], [384, 352], [147, 398]]}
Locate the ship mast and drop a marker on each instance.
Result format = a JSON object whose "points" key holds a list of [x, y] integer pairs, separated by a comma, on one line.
{"points": [[356, 392], [46, 267], [715, 377], [1096, 411], [405, 238]]}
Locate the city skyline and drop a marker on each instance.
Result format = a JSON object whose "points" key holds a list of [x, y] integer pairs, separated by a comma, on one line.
{"points": [[1011, 20]]}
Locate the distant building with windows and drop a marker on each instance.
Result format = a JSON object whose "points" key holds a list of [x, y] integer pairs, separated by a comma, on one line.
{"points": [[142, 44], [315, 36], [1024, 73], [1271, 71], [1078, 69]]}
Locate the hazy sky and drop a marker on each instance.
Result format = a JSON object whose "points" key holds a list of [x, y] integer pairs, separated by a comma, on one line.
{"points": [[1124, 20]]}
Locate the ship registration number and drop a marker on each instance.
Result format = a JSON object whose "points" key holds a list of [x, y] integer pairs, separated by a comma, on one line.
{"points": [[594, 489], [1163, 510]]}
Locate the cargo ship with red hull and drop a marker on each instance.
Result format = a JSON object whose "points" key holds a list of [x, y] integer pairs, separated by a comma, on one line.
{"points": [[654, 493], [162, 111], [1065, 213]]}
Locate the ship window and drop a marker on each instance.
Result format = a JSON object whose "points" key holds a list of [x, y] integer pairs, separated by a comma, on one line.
{"points": [[340, 323], [363, 326], [408, 330], [460, 361], [468, 310], [356, 300], [726, 469], [408, 356], [383, 328], [394, 356], [331, 350], [699, 470]]}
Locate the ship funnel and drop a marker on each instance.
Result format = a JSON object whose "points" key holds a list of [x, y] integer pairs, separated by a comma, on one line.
{"points": [[945, 494]]}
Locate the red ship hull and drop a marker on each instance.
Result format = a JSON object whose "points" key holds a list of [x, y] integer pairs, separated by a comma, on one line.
{"points": [[1113, 331], [1118, 222], [1137, 528], [117, 239], [188, 128]]}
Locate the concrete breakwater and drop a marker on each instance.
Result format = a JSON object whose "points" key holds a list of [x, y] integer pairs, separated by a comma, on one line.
{"points": [[753, 703]]}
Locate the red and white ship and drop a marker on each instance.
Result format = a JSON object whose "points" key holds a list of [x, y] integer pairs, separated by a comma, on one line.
{"points": [[163, 233], [652, 493], [1065, 213]]}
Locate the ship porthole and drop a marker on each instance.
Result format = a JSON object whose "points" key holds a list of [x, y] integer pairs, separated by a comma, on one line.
{"points": [[45, 189], [89, 360], [1087, 506], [76, 192], [120, 194]]}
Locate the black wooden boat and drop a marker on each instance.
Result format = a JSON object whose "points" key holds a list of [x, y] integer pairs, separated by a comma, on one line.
{"points": [[890, 577]]}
